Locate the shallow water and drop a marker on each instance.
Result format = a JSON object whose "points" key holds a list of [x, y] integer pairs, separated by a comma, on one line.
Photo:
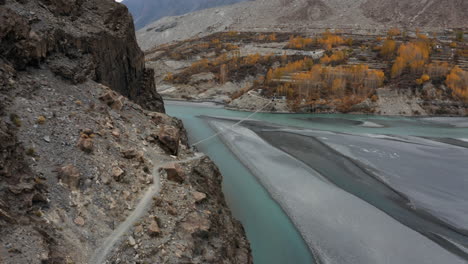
{"points": [[273, 237]]}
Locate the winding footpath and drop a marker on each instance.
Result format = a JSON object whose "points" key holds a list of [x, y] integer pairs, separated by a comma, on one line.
{"points": [[101, 254]]}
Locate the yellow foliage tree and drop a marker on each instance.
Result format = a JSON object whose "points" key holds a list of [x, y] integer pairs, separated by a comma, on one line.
{"points": [[457, 81], [330, 40], [272, 37], [388, 48], [398, 67], [169, 77], [425, 78], [252, 59], [335, 58], [299, 42], [414, 55]]}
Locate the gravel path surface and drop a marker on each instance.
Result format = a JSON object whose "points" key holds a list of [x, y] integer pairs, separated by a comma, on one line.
{"points": [[101, 254]]}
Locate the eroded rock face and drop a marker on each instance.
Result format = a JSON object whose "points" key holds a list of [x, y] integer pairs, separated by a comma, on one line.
{"points": [[79, 40], [169, 137]]}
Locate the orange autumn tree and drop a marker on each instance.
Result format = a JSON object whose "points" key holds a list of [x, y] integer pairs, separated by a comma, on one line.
{"points": [[388, 48], [272, 37], [357, 79], [278, 73], [299, 42], [413, 55], [336, 58], [252, 59], [424, 78], [330, 40], [457, 81]]}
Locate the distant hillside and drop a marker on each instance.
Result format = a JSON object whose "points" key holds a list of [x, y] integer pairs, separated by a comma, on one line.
{"points": [[147, 11], [434, 13], [357, 16]]}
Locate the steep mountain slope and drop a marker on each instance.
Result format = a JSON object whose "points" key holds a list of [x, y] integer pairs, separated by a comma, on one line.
{"points": [[147, 11], [361, 16], [77, 156], [434, 13]]}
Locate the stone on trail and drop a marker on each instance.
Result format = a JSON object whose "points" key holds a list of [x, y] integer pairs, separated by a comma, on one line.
{"points": [[131, 241], [174, 173]]}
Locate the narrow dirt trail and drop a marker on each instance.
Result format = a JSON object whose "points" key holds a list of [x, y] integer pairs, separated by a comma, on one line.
{"points": [[101, 254]]}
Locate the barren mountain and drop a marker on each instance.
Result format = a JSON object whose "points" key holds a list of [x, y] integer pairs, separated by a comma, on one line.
{"points": [[424, 13], [360, 16], [147, 11]]}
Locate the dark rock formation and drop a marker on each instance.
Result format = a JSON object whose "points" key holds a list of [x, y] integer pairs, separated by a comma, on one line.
{"points": [[79, 40], [169, 137]]}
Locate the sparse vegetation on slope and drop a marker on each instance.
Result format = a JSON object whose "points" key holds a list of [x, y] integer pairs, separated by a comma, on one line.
{"points": [[334, 70]]}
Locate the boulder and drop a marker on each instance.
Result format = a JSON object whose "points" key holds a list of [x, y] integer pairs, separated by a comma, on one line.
{"points": [[429, 90], [116, 133], [129, 154], [131, 241], [79, 221], [153, 228], [174, 173], [70, 176], [198, 196], [196, 222], [169, 137], [160, 118], [172, 211], [117, 172], [86, 144], [112, 99]]}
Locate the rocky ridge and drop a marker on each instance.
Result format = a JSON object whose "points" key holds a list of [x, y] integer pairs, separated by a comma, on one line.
{"points": [[76, 156], [308, 16], [145, 12]]}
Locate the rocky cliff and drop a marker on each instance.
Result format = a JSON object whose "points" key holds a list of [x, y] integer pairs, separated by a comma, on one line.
{"points": [[78, 154], [78, 40]]}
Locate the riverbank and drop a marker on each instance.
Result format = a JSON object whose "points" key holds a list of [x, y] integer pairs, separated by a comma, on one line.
{"points": [[392, 109]]}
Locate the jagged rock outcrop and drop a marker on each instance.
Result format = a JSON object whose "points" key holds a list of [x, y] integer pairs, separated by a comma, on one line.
{"points": [[78, 40]]}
